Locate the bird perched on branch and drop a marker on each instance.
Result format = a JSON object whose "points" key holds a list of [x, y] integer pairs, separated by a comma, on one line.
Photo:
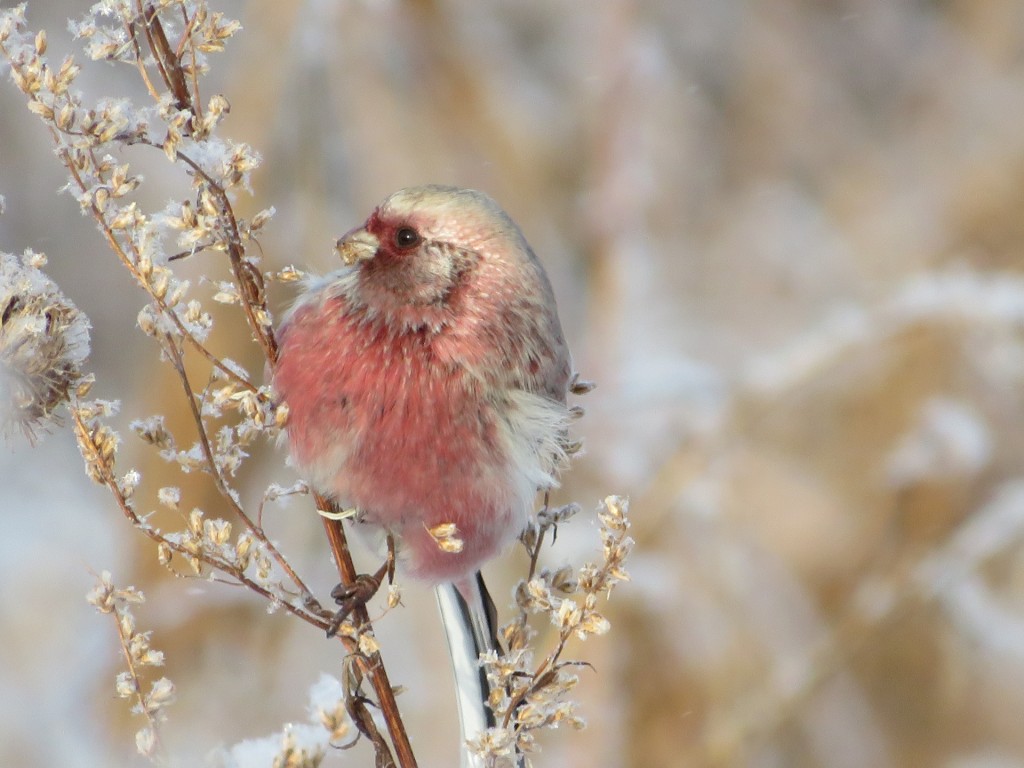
{"points": [[426, 386]]}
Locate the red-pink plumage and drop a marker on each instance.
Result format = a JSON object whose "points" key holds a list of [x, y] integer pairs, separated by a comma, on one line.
{"points": [[426, 385]]}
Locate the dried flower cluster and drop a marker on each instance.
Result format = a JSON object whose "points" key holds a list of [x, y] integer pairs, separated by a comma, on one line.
{"points": [[44, 340], [138, 655], [528, 696], [168, 43]]}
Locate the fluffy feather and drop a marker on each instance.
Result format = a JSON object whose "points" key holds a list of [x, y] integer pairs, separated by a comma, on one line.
{"points": [[426, 387]]}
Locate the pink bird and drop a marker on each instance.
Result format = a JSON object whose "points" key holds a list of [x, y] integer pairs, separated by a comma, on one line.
{"points": [[426, 387]]}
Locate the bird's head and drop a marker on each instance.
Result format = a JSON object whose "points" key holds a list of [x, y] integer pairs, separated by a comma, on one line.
{"points": [[418, 244]]}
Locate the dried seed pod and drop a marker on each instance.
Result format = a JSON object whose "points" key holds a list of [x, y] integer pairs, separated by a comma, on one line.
{"points": [[44, 339]]}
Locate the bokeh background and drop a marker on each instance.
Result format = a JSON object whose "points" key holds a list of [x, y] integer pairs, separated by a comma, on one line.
{"points": [[786, 240]]}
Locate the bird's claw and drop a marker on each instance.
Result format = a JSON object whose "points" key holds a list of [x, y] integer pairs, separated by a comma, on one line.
{"points": [[358, 593], [351, 596]]}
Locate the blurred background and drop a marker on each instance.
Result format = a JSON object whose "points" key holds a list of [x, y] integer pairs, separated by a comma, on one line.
{"points": [[786, 240]]}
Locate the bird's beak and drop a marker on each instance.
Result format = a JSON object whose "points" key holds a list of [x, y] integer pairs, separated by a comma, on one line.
{"points": [[357, 245]]}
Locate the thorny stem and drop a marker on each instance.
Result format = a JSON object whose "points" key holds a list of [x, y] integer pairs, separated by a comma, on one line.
{"points": [[356, 706], [374, 665]]}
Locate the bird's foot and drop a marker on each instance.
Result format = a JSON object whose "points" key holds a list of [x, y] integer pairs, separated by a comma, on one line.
{"points": [[355, 595]]}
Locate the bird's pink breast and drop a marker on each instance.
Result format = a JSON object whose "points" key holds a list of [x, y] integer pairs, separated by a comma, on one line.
{"points": [[380, 420]]}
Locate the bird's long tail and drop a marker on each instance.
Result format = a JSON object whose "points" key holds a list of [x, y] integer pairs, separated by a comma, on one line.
{"points": [[470, 626]]}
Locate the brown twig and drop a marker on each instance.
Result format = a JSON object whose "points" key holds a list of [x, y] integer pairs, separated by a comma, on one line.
{"points": [[166, 61], [357, 707], [373, 666], [185, 37], [249, 280]]}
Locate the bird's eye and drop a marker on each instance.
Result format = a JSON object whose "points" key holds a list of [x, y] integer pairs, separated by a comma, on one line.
{"points": [[406, 237]]}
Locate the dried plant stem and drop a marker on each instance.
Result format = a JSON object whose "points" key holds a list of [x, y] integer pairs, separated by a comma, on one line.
{"points": [[97, 462], [167, 62], [137, 690], [375, 668], [250, 281], [127, 262], [220, 484]]}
